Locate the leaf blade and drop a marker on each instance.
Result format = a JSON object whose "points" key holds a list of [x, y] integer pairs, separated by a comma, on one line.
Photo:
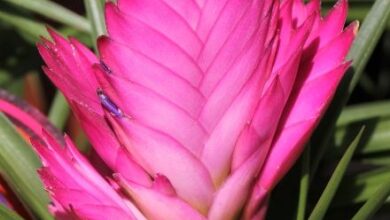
{"points": [[59, 111], [369, 34], [18, 165], [55, 12], [304, 184], [329, 192], [374, 202], [6, 213], [30, 28], [364, 111]]}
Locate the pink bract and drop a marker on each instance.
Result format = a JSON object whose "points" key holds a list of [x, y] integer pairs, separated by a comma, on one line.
{"points": [[197, 107]]}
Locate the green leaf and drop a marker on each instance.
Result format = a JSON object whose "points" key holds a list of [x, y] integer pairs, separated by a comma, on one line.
{"points": [[369, 34], [374, 203], [377, 160], [364, 111], [377, 142], [55, 12], [360, 187], [96, 17], [327, 195], [304, 184], [30, 29], [6, 213], [18, 165], [59, 111], [363, 46]]}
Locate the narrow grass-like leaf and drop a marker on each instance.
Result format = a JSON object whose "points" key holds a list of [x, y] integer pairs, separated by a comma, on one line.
{"points": [[33, 30], [377, 142], [55, 12], [8, 214], [373, 26], [374, 203], [368, 85], [377, 161], [18, 165], [59, 111], [369, 34], [360, 187], [327, 195], [96, 18], [304, 184], [364, 111]]}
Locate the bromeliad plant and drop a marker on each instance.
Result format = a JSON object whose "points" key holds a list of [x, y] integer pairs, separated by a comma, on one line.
{"points": [[197, 109]]}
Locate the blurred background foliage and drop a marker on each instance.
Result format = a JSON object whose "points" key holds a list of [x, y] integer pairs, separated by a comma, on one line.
{"points": [[23, 22]]}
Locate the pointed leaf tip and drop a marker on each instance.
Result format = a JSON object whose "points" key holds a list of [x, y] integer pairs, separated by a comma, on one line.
{"points": [[327, 195]]}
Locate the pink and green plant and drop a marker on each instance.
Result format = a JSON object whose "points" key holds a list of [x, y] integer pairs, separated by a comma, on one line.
{"points": [[196, 108]]}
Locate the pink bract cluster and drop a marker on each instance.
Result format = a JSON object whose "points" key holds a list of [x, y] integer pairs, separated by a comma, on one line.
{"points": [[197, 107]]}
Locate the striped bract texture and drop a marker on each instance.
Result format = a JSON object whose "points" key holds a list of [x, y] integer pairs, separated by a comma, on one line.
{"points": [[197, 108]]}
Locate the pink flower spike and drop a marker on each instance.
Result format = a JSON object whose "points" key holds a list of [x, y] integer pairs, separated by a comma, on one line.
{"points": [[197, 107], [28, 118], [68, 175], [107, 146], [159, 205]]}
